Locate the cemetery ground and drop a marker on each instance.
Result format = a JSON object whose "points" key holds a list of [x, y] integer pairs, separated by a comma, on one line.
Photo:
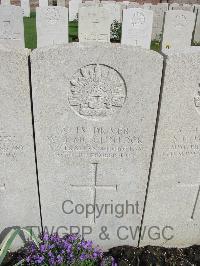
{"points": [[132, 256]]}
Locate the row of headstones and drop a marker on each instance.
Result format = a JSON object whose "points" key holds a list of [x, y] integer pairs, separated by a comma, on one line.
{"points": [[95, 23], [95, 110], [25, 5]]}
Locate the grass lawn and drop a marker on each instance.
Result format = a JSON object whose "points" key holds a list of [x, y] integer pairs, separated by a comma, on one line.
{"points": [[31, 35], [30, 31]]}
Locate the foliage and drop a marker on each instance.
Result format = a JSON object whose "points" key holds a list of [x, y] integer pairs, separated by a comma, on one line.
{"points": [[155, 45], [11, 236], [116, 31], [53, 250], [63, 251]]}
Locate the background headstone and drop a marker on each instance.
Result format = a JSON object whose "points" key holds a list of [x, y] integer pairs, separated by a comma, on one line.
{"points": [[178, 29], [114, 9], [173, 202], [61, 3], [25, 5], [158, 20], [5, 2], [43, 3], [94, 145], [73, 9], [52, 25], [133, 5], [18, 182], [174, 6], [137, 27], [125, 3], [146, 6], [94, 24], [185, 7], [11, 26]]}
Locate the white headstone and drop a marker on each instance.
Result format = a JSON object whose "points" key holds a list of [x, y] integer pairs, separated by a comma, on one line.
{"points": [[134, 5], [25, 5], [94, 24], [11, 26], [174, 6], [188, 7], [114, 9], [95, 134], [158, 20], [61, 3], [52, 25], [178, 29], [86, 3], [173, 202], [146, 6], [73, 9], [18, 182], [43, 3], [137, 27], [185, 7], [5, 2], [125, 3]]}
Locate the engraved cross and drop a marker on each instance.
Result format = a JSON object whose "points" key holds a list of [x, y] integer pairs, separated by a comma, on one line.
{"points": [[94, 187]]}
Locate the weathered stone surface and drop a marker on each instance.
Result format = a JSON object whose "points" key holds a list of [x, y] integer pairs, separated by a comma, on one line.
{"points": [[95, 109], [73, 9], [158, 20], [18, 183], [188, 7], [185, 7], [5, 2], [133, 5], [11, 26], [94, 24], [147, 5], [43, 3], [52, 25], [174, 192], [174, 6], [114, 10], [178, 29], [137, 27], [126, 3], [25, 5], [197, 26], [61, 3]]}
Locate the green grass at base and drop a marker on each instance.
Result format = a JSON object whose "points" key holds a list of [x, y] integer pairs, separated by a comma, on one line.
{"points": [[73, 31], [155, 45], [30, 31]]}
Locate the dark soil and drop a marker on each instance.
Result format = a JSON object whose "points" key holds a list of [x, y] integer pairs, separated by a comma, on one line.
{"points": [[146, 256], [155, 256]]}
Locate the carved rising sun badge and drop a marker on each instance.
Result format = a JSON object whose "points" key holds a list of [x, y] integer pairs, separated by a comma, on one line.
{"points": [[97, 91]]}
